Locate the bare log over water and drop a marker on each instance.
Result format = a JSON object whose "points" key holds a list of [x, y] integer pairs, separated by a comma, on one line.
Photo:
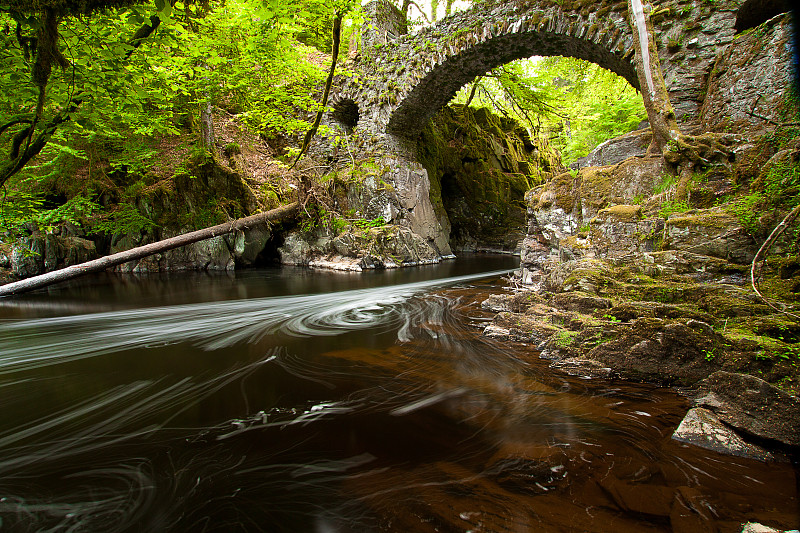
{"points": [[98, 265]]}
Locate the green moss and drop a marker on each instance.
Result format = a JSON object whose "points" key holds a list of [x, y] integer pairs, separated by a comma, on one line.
{"points": [[480, 166]]}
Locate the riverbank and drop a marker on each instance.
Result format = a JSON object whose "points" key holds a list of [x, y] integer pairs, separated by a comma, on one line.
{"points": [[650, 317]]}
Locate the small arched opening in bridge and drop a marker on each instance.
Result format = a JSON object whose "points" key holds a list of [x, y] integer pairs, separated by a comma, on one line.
{"points": [[755, 12], [345, 113]]}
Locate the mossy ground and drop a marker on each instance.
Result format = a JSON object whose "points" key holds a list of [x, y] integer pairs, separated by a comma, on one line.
{"points": [[667, 328]]}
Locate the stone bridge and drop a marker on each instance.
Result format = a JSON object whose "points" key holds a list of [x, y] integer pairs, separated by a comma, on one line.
{"points": [[400, 81]]}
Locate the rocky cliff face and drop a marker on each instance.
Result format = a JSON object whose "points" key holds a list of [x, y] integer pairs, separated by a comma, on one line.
{"points": [[480, 166], [746, 91], [627, 271]]}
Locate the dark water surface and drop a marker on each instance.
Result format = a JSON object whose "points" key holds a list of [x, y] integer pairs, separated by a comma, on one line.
{"points": [[291, 400]]}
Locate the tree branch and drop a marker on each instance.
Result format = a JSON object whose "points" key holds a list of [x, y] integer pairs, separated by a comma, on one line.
{"points": [[780, 228], [18, 159], [337, 33]]}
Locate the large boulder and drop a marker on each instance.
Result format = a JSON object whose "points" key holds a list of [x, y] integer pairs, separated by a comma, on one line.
{"points": [[355, 249], [712, 232], [751, 405], [703, 428], [616, 150], [46, 252], [655, 350]]}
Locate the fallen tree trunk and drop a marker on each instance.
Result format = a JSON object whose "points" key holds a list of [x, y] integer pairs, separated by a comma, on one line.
{"points": [[108, 261]]}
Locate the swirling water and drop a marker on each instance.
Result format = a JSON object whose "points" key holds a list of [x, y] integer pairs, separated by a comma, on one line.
{"points": [[288, 400]]}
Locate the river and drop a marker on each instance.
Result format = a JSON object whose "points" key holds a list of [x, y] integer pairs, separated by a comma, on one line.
{"points": [[290, 400]]}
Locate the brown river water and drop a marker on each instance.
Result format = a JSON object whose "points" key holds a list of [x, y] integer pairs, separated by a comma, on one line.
{"points": [[289, 400]]}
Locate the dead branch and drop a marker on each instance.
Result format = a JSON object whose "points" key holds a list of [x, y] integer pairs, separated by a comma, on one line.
{"points": [[337, 34], [788, 219]]}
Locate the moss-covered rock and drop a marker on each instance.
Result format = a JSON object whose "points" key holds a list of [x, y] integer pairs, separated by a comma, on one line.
{"points": [[480, 166]]}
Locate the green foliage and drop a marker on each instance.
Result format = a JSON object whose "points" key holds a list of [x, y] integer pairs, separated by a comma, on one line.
{"points": [[124, 219], [564, 338], [667, 182], [76, 210], [778, 187], [576, 104], [243, 55], [673, 206], [367, 224], [18, 206], [782, 184], [746, 209]]}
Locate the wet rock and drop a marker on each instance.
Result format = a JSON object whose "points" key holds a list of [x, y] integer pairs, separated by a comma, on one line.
{"points": [[755, 527], [579, 302], [519, 302], [524, 327], [27, 257], [576, 366], [210, 254], [337, 262], [701, 427], [496, 332], [387, 246], [642, 498], [48, 252], [659, 351], [751, 405], [296, 250], [498, 303], [249, 243]]}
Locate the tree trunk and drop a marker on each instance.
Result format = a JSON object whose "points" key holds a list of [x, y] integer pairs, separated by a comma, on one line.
{"points": [[108, 261], [651, 80], [207, 136], [473, 91], [337, 35]]}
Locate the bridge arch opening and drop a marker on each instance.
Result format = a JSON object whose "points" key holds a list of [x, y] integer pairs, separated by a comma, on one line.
{"points": [[441, 83], [482, 159], [346, 114]]}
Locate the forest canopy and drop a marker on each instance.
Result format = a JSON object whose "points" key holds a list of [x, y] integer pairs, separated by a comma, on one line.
{"points": [[129, 73]]}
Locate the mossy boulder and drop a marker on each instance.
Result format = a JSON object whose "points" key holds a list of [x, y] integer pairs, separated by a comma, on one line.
{"points": [[714, 232], [480, 166], [664, 352]]}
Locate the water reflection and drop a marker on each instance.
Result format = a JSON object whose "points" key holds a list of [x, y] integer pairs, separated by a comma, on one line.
{"points": [[370, 408]]}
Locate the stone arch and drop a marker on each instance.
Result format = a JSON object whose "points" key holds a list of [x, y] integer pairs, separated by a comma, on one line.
{"points": [[440, 85], [397, 86], [755, 12], [439, 60]]}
